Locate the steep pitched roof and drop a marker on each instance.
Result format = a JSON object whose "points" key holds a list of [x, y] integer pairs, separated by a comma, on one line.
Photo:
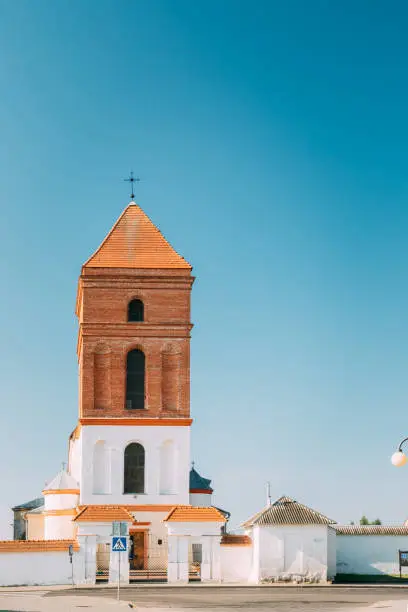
{"points": [[192, 514], [287, 511], [103, 514], [30, 505], [38, 510], [135, 242], [62, 481], [198, 483], [370, 530]]}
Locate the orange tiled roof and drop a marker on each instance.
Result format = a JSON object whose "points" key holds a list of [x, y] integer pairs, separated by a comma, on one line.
{"points": [[189, 514], [133, 508], [135, 242], [235, 540], [103, 514], [20, 546]]}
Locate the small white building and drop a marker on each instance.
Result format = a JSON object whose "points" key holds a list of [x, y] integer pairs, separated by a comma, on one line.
{"points": [[291, 541]]}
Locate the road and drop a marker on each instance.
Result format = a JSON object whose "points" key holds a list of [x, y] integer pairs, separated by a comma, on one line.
{"points": [[263, 599]]}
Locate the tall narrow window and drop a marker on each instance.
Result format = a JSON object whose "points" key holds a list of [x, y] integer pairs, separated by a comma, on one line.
{"points": [[135, 311], [134, 476], [135, 380]]}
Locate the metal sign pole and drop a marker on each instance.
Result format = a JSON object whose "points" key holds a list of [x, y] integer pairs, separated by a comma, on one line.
{"points": [[71, 554], [119, 579]]}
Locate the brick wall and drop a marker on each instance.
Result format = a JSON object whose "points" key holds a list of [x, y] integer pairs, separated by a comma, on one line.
{"points": [[105, 337]]}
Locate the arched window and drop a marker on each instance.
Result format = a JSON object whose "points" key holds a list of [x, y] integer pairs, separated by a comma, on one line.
{"points": [[134, 476], [135, 380], [135, 311]]}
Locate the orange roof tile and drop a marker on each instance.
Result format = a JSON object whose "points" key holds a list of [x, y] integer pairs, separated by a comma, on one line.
{"points": [[190, 514], [135, 242], [103, 514], [231, 539], [20, 546]]}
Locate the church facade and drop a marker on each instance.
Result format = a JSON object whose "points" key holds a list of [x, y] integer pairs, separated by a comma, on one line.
{"points": [[128, 471], [129, 454]]}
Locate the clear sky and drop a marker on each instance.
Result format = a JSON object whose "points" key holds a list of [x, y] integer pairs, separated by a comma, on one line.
{"points": [[271, 139]]}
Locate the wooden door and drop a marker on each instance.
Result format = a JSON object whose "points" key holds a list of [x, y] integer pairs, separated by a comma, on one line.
{"points": [[138, 550]]}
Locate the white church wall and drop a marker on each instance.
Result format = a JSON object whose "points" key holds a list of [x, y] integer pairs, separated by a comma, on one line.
{"points": [[191, 528], [202, 500], [35, 526], [369, 554], [35, 568], [236, 563], [293, 550], [152, 439], [168, 467], [59, 527], [63, 501], [74, 457], [102, 531], [101, 468]]}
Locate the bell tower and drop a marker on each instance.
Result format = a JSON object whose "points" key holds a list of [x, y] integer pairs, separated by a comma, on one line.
{"points": [[133, 306]]}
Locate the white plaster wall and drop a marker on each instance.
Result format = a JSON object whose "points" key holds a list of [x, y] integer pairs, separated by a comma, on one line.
{"points": [[255, 572], [60, 501], [293, 550], [369, 554], [152, 438], [181, 536], [58, 528], [35, 527], [331, 552], [194, 529], [101, 478], [32, 568], [168, 467], [201, 499], [74, 458], [236, 563], [102, 531]]}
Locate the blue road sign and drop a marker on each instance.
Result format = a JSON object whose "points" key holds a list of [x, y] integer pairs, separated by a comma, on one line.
{"points": [[119, 544]]}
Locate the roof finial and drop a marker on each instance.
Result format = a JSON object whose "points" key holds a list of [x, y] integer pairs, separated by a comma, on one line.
{"points": [[132, 180], [193, 464], [63, 466]]}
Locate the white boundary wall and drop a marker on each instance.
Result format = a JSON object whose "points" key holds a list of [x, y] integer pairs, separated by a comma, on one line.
{"points": [[290, 550], [236, 563], [369, 554], [35, 568]]}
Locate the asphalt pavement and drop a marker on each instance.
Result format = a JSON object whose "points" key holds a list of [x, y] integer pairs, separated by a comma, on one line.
{"points": [[257, 599], [217, 599]]}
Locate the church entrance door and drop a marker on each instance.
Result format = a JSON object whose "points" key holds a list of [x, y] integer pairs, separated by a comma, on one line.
{"points": [[137, 550], [147, 557]]}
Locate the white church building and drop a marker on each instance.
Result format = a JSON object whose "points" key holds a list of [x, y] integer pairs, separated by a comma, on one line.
{"points": [[128, 465]]}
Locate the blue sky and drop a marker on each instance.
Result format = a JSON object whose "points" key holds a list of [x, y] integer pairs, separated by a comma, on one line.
{"points": [[271, 139]]}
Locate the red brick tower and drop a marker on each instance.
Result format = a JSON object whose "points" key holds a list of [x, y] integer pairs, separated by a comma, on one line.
{"points": [[133, 307]]}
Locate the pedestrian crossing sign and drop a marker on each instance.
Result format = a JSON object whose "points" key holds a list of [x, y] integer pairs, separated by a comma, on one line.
{"points": [[119, 544]]}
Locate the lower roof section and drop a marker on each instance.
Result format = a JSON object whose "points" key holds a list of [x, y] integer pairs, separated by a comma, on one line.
{"points": [[23, 546], [195, 514]]}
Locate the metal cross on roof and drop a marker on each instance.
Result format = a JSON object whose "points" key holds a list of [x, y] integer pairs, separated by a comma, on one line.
{"points": [[132, 180]]}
